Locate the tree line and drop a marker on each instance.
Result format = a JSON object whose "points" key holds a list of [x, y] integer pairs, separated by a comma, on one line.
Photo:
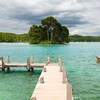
{"points": [[12, 37], [79, 38]]}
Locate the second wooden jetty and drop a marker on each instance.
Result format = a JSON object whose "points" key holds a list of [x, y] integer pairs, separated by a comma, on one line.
{"points": [[30, 64]]}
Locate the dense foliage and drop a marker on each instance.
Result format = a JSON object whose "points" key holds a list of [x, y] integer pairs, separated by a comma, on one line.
{"points": [[78, 38], [50, 31], [11, 37]]}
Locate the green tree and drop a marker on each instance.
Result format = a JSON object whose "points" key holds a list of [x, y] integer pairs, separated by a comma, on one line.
{"points": [[49, 23], [35, 34], [65, 33]]}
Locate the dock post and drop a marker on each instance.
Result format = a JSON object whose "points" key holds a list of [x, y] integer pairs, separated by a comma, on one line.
{"points": [[48, 59], [60, 64], [44, 69], [28, 64], [64, 75], [46, 63], [2, 64], [34, 98], [8, 61], [68, 91], [32, 63], [42, 80], [59, 60]]}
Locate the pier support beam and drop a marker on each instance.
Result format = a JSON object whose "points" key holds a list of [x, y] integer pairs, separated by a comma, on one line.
{"points": [[60, 64], [44, 69], [8, 68], [48, 60], [2, 64], [28, 64], [42, 80], [34, 98], [59, 60], [8, 61], [68, 91], [64, 75], [32, 69]]}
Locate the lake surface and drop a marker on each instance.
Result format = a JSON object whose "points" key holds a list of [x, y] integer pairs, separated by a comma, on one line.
{"points": [[79, 58]]}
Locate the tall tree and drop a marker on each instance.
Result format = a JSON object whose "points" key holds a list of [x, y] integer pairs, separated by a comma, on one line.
{"points": [[50, 24], [65, 33], [35, 34]]}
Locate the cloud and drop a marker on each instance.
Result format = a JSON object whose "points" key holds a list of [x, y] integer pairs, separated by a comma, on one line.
{"points": [[80, 16]]}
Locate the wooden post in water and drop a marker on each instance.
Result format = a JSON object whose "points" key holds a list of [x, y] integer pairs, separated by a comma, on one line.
{"points": [[32, 63], [59, 60], [64, 75], [44, 69], [8, 61], [68, 91], [42, 80], [28, 64], [2, 64], [34, 98], [60, 64], [48, 59]]}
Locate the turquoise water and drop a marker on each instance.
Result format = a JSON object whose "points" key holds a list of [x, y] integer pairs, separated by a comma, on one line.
{"points": [[83, 71]]}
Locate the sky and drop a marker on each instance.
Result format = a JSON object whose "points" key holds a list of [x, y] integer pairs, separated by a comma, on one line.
{"points": [[81, 17]]}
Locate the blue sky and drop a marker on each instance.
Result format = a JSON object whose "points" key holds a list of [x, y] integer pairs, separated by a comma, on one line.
{"points": [[79, 16]]}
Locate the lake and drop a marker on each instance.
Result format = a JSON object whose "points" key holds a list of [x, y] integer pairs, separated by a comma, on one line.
{"points": [[79, 59]]}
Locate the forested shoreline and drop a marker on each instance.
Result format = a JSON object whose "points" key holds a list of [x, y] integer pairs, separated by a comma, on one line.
{"points": [[79, 38], [13, 37]]}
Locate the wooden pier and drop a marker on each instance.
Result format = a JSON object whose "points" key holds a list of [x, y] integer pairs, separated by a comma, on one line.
{"points": [[29, 64], [52, 83]]}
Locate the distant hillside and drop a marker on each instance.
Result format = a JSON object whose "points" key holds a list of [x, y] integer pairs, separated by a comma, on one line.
{"points": [[78, 38], [12, 37]]}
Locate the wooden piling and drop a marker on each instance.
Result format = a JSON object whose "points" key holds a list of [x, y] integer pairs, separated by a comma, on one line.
{"points": [[48, 59], [2, 64], [42, 80], [28, 64], [68, 91], [59, 60], [32, 69], [8, 61], [34, 98], [60, 64], [64, 75], [44, 69]]}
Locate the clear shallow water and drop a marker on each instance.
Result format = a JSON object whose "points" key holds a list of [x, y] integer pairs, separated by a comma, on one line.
{"points": [[83, 72]]}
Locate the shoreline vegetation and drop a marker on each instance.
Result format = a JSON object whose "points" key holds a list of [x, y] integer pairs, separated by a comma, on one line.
{"points": [[6, 37]]}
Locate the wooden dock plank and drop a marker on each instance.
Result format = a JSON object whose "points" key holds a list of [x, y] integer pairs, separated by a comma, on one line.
{"points": [[52, 88], [15, 64]]}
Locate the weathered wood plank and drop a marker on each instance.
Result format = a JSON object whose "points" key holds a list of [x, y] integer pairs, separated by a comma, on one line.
{"points": [[50, 85]]}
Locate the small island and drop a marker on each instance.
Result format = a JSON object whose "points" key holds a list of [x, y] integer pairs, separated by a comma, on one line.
{"points": [[49, 32]]}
